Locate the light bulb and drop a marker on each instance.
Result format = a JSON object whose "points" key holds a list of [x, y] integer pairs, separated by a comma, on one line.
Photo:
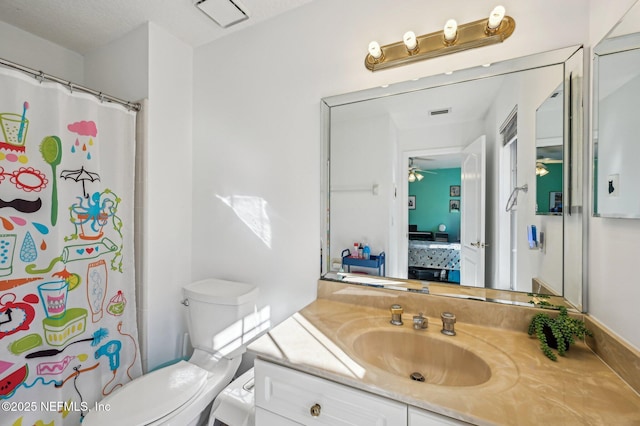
{"points": [[410, 41], [450, 30], [541, 170], [412, 177], [374, 50], [496, 17], [419, 176]]}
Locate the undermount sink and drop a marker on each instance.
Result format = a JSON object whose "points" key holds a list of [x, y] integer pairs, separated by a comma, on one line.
{"points": [[439, 361]]}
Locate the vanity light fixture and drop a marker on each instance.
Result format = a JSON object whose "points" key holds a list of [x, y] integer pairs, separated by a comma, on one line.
{"points": [[453, 38]]}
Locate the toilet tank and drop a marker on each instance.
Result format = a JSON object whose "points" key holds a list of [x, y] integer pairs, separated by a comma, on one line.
{"points": [[220, 313]]}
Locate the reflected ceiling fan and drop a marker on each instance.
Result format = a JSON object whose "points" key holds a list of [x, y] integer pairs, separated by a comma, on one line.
{"points": [[549, 154], [415, 173], [541, 165], [548, 160]]}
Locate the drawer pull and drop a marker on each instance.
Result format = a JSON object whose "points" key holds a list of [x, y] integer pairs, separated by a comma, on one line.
{"points": [[315, 410]]}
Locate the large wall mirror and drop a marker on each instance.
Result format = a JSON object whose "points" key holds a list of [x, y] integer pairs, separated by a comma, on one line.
{"points": [[438, 178], [616, 120]]}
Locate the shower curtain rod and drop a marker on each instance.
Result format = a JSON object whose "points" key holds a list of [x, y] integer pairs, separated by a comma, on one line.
{"points": [[39, 75]]}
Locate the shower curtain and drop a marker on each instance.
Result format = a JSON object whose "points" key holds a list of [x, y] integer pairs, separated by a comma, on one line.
{"points": [[68, 334]]}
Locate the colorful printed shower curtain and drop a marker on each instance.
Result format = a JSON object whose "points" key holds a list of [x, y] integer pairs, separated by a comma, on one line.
{"points": [[68, 334]]}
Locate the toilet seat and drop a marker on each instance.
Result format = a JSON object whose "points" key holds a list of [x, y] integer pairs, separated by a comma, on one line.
{"points": [[168, 389]]}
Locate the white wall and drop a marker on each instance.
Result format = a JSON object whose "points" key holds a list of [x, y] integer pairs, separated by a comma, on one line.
{"points": [[121, 68], [613, 243], [170, 204], [26, 49], [603, 16]]}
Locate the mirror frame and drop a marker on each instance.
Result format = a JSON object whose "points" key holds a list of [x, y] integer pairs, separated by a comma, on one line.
{"points": [[574, 180]]}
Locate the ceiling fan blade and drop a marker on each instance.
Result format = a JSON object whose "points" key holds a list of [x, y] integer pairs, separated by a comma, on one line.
{"points": [[549, 161]]}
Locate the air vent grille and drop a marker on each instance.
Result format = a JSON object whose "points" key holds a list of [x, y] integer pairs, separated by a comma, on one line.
{"points": [[223, 12]]}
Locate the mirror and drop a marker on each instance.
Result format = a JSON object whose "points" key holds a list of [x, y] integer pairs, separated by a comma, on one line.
{"points": [[616, 126], [549, 153], [471, 136]]}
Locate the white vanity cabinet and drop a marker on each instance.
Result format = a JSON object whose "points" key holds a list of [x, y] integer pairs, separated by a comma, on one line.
{"points": [[286, 397]]}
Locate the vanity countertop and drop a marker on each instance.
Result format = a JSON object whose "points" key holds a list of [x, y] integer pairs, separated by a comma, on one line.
{"points": [[526, 387]]}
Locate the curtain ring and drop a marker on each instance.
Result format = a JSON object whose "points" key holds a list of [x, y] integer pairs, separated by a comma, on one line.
{"points": [[40, 77], [70, 84], [101, 97]]}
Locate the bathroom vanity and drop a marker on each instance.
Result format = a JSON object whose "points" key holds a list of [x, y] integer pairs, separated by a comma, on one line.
{"points": [[340, 361], [292, 397]]}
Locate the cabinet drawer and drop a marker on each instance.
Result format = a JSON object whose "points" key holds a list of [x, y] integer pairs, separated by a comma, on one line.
{"points": [[267, 418], [294, 395], [420, 417]]}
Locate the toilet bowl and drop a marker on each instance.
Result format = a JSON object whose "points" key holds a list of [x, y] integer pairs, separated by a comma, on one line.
{"points": [[221, 324]]}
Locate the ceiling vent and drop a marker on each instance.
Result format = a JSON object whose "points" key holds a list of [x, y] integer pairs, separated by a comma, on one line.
{"points": [[223, 12], [439, 111]]}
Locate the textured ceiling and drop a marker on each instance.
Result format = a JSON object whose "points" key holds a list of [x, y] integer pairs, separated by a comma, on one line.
{"points": [[83, 25]]}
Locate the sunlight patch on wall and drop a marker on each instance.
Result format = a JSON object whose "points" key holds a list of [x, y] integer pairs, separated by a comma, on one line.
{"points": [[252, 211]]}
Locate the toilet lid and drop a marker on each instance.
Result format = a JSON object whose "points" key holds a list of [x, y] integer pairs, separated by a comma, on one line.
{"points": [[152, 396]]}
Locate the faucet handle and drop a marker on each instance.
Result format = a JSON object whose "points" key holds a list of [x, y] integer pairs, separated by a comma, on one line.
{"points": [[396, 314], [420, 322], [448, 321]]}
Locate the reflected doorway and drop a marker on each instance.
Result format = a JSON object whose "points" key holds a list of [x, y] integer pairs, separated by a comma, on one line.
{"points": [[445, 214]]}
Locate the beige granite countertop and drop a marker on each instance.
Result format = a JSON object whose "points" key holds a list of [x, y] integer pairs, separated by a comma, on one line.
{"points": [[525, 387]]}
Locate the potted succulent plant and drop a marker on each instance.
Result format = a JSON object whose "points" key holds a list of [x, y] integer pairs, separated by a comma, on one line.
{"points": [[557, 332]]}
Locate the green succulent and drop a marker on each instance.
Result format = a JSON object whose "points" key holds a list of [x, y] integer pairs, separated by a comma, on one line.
{"points": [[564, 328]]}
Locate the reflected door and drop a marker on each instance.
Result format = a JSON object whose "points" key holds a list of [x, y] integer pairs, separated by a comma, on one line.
{"points": [[472, 209]]}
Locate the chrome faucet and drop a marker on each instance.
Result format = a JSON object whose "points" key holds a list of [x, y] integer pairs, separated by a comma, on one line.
{"points": [[396, 314], [448, 321], [420, 322]]}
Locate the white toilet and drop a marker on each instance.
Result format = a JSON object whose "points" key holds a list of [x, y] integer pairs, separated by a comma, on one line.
{"points": [[222, 320]]}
